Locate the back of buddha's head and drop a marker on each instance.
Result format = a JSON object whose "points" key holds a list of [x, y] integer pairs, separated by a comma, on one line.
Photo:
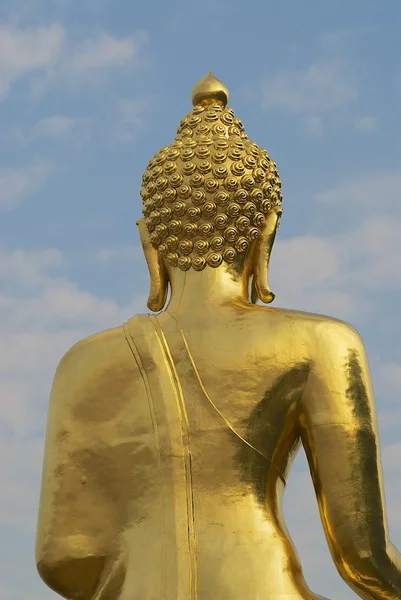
{"points": [[206, 196]]}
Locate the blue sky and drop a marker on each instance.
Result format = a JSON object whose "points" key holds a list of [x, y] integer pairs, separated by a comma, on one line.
{"points": [[88, 92]]}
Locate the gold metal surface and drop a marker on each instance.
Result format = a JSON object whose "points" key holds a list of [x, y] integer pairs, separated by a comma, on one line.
{"points": [[208, 194], [170, 438], [210, 90]]}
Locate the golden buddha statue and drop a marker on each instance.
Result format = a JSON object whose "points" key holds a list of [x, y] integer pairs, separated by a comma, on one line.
{"points": [[170, 438]]}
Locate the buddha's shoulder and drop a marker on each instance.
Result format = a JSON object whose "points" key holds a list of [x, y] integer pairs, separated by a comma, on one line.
{"points": [[309, 324], [106, 350], [98, 377]]}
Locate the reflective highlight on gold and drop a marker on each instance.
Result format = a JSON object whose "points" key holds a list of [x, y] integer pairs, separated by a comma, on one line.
{"points": [[210, 90], [170, 438]]}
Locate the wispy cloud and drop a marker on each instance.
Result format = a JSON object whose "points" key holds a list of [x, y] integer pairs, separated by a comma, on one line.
{"points": [[76, 130], [24, 51], [337, 273], [53, 56], [306, 274], [55, 126], [131, 118], [366, 124], [16, 183], [375, 191], [105, 51], [29, 268], [323, 86], [328, 85]]}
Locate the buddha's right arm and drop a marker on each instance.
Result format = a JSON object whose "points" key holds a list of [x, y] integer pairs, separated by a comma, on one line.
{"points": [[81, 508], [339, 433]]}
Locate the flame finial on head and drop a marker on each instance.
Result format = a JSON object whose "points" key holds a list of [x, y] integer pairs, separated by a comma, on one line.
{"points": [[210, 90]]}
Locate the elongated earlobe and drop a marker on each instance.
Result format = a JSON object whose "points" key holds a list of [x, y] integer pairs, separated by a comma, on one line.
{"points": [[254, 292], [157, 271], [260, 284]]}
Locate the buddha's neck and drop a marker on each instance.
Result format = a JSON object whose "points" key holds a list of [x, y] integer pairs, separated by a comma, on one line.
{"points": [[206, 290]]}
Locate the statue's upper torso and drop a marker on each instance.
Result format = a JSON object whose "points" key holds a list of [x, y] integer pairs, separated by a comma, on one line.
{"points": [[180, 440], [218, 433]]}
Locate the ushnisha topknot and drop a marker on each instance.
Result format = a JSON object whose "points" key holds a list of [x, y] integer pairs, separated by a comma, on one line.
{"points": [[206, 195]]}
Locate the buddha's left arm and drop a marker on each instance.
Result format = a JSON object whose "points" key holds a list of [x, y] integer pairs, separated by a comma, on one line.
{"points": [[80, 510], [340, 436]]}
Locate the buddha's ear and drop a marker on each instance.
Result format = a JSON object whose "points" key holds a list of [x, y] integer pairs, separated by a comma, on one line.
{"points": [[157, 271], [254, 293], [260, 283]]}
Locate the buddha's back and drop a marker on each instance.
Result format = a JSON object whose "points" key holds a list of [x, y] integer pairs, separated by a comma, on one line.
{"points": [[192, 449], [225, 427]]}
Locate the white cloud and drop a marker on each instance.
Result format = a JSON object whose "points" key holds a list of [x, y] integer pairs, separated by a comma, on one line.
{"points": [[106, 51], [76, 131], [128, 118], [54, 126], [376, 191], [306, 274], [367, 124], [131, 118], [327, 83], [29, 268], [42, 315], [48, 301], [376, 245], [52, 57], [16, 183], [26, 50], [323, 86], [337, 273]]}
